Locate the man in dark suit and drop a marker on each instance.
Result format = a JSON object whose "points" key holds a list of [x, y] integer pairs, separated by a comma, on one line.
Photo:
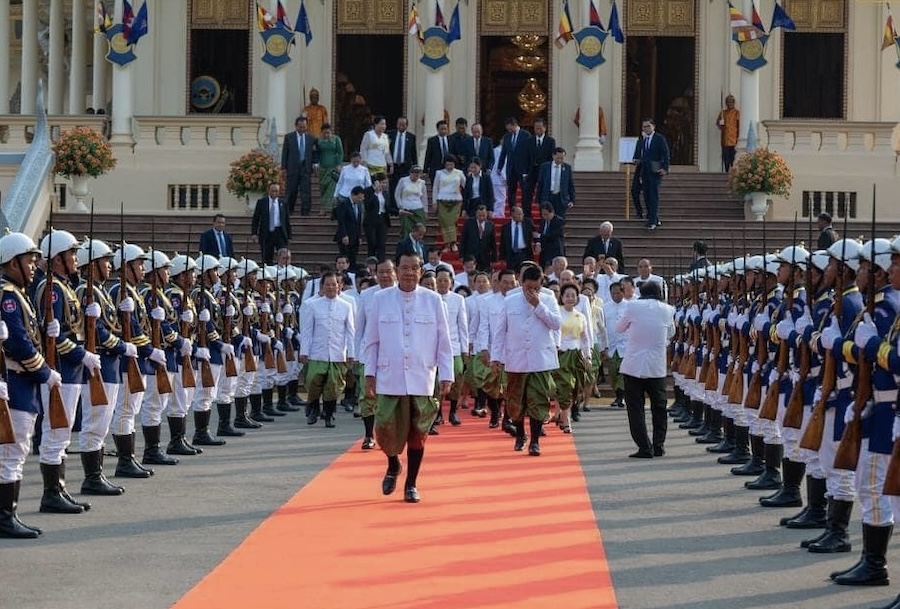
{"points": [[377, 219], [271, 225], [461, 142], [550, 235], [652, 158], [216, 242], [478, 239], [479, 190], [515, 239], [543, 148], [349, 216], [604, 245], [436, 148], [515, 159], [299, 158], [413, 243], [481, 147], [700, 259], [404, 151], [556, 184], [827, 234]]}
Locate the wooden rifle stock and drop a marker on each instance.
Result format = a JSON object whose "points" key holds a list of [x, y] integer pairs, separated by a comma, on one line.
{"points": [[163, 384], [249, 358], [280, 363], [230, 368], [754, 390], [268, 355], [187, 369], [769, 410], [95, 382], [706, 341], [7, 435], [206, 375], [56, 410], [847, 455], [793, 414], [736, 390], [892, 478], [812, 437]]}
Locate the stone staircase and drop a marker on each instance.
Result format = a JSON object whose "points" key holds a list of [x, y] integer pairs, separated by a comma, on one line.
{"points": [[693, 206]]}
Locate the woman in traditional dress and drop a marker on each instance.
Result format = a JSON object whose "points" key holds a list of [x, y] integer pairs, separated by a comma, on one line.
{"points": [[331, 156], [574, 355]]}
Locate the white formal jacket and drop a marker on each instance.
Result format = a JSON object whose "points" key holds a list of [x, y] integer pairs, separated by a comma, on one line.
{"points": [[407, 342], [648, 325], [525, 338], [328, 332], [457, 321]]}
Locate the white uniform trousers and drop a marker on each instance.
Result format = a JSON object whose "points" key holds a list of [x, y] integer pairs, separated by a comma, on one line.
{"points": [[181, 396], [714, 397], [155, 404], [245, 380], [226, 387], [128, 405], [265, 378], [54, 442], [771, 430], [871, 472], [839, 483], [12, 456], [752, 414], [95, 420], [203, 396]]}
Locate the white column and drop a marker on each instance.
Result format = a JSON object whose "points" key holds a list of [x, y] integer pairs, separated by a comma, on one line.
{"points": [[57, 68], [588, 151], [4, 61], [29, 56], [749, 99], [276, 103], [77, 68], [100, 67], [122, 98], [434, 84]]}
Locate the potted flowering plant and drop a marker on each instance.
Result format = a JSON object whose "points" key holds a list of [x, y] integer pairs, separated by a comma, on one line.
{"points": [[760, 174], [82, 153], [251, 174]]}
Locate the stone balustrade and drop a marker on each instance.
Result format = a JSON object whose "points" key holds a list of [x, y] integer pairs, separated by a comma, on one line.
{"points": [[198, 131], [17, 130]]}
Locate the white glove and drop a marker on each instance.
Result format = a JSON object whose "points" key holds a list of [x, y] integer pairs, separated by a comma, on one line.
{"points": [[227, 350], [288, 309], [732, 317], [784, 328], [263, 338], [722, 324], [158, 356], [265, 308], [691, 350], [896, 431], [4, 392], [204, 315], [55, 379], [754, 368], [865, 330], [91, 361], [158, 313], [187, 317], [246, 343], [759, 322], [187, 347], [693, 313], [53, 329], [4, 331], [230, 311], [127, 305], [679, 317], [288, 334], [278, 346], [711, 357], [279, 318], [248, 310], [849, 414], [817, 396], [707, 314], [92, 310], [803, 322], [202, 353], [742, 319], [773, 377], [130, 350], [830, 334], [795, 377]]}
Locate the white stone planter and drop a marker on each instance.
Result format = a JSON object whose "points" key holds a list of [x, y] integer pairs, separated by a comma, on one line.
{"points": [[759, 204], [80, 188]]}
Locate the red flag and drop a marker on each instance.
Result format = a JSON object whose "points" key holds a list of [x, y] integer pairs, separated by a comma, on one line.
{"points": [[439, 16], [595, 17]]}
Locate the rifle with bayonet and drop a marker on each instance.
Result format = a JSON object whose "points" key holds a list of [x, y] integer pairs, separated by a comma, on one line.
{"points": [[754, 389], [206, 376], [57, 411], [793, 413], [228, 322], [280, 363], [741, 345], [95, 382], [289, 354], [249, 358], [163, 384], [715, 344], [132, 372]]}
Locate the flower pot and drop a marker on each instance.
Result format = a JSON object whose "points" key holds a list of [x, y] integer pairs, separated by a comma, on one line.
{"points": [[250, 200], [80, 188], [759, 204]]}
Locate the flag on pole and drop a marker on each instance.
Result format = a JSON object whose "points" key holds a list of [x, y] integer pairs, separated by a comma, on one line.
{"points": [[127, 18], [781, 19], [104, 21], [413, 25], [741, 29], [263, 18], [303, 25], [140, 25], [281, 19], [890, 34], [615, 28], [439, 16], [757, 20], [594, 17], [455, 30], [565, 27]]}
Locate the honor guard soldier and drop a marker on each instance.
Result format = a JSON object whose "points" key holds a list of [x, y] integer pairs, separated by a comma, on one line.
{"points": [[95, 264], [64, 324], [264, 385], [284, 317], [26, 371], [247, 368], [182, 277], [232, 322]]}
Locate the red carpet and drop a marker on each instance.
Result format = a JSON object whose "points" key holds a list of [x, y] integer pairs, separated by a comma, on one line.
{"points": [[495, 529]]}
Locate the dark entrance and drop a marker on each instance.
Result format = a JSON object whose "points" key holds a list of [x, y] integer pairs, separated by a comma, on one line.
{"points": [[220, 75], [660, 85], [813, 75], [369, 81]]}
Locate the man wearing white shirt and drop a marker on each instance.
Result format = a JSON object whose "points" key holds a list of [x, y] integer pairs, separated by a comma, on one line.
{"points": [[525, 341], [645, 274], [458, 322], [487, 378], [482, 284], [608, 276], [406, 345], [612, 309], [648, 325], [327, 345]]}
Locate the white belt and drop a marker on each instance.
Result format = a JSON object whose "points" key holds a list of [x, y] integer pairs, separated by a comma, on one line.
{"points": [[814, 372], [883, 396], [844, 383]]}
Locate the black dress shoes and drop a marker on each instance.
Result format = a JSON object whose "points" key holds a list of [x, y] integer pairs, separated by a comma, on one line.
{"points": [[411, 495], [368, 444], [534, 449], [389, 483], [520, 444], [641, 454], [658, 451], [433, 431]]}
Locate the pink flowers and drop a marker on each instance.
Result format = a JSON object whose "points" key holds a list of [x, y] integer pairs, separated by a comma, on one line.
{"points": [[253, 172], [760, 171], [82, 151]]}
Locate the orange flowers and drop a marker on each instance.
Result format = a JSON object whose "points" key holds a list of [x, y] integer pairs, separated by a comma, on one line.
{"points": [[82, 151], [760, 171], [253, 172]]}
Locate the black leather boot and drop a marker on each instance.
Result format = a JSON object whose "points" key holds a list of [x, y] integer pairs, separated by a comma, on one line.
{"points": [[813, 517], [225, 429], [576, 412], [713, 433], [494, 421], [153, 455], [10, 525], [65, 492], [836, 538], [871, 569], [704, 425], [95, 483], [740, 453], [894, 604], [241, 420], [312, 413], [283, 404], [268, 406], [534, 449], [696, 419], [686, 410], [202, 436], [726, 444], [292, 397], [256, 411], [754, 466], [454, 420], [53, 501], [770, 479], [126, 466], [330, 407], [177, 444], [789, 495], [520, 435], [369, 426]]}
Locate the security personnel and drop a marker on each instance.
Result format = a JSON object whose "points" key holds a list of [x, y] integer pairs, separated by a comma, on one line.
{"points": [[246, 275], [182, 276], [26, 372], [232, 322]]}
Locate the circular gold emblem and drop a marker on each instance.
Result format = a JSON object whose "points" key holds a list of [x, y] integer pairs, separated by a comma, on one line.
{"points": [[118, 43], [752, 49], [590, 46], [276, 45], [434, 48]]}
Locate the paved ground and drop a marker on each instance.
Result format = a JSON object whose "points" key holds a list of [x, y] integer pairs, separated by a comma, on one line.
{"points": [[680, 532]]}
